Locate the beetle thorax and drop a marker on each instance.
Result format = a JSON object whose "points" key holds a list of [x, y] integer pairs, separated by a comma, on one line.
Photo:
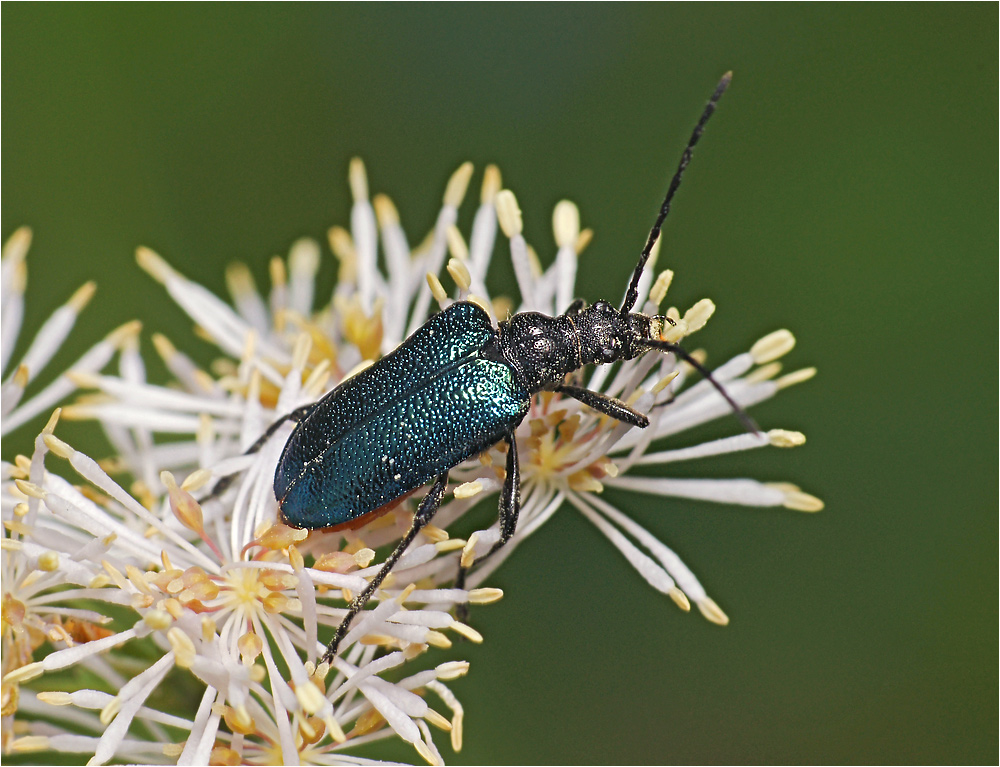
{"points": [[540, 348]]}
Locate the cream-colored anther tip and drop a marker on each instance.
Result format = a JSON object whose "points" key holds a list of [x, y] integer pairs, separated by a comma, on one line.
{"points": [[772, 346], [508, 213]]}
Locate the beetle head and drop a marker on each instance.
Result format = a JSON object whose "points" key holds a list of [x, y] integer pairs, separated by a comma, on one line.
{"points": [[608, 334]]}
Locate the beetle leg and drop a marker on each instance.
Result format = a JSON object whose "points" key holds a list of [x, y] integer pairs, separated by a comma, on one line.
{"points": [[510, 507], [605, 404], [428, 506], [296, 415]]}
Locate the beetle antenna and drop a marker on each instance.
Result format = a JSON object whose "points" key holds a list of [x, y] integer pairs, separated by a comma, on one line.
{"points": [[654, 234], [666, 346]]}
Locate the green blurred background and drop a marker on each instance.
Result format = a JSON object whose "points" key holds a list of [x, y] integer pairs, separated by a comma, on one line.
{"points": [[847, 189]]}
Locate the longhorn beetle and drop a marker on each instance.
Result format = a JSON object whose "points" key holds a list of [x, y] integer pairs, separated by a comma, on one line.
{"points": [[453, 389]]}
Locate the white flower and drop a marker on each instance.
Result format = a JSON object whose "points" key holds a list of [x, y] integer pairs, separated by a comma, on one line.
{"points": [[236, 599]]}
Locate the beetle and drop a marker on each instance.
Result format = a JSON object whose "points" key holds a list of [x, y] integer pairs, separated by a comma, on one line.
{"points": [[453, 389]]}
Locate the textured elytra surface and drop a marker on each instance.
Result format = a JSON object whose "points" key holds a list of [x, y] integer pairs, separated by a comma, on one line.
{"points": [[426, 407]]}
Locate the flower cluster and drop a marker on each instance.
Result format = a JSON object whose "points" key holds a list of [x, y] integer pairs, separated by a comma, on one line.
{"points": [[213, 586]]}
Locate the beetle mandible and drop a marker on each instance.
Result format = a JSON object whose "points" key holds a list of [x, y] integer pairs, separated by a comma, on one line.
{"points": [[453, 389]]}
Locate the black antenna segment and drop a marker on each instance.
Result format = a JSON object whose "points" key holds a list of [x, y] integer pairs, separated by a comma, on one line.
{"points": [[654, 234]]}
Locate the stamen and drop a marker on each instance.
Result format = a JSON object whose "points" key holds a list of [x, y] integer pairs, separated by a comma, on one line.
{"points": [[782, 438], [456, 244], [452, 669], [772, 346], [566, 224], [508, 213], [437, 290], [358, 179], [454, 193], [491, 184], [797, 377], [698, 315], [660, 287], [459, 273], [712, 611]]}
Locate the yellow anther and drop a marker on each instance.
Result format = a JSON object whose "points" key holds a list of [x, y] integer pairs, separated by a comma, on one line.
{"points": [[239, 720], [385, 211], [680, 598], [456, 243], [30, 743], [55, 698], [469, 553], [154, 265], [764, 372], [82, 296], [276, 603], [479, 301], [796, 500], [699, 314], [508, 213], [469, 489], [239, 280], [295, 558], [434, 718], [24, 673], [782, 438], [334, 728], [405, 593], [277, 580], [452, 670], [358, 179], [664, 382], [457, 184], [659, 290], [279, 536], [437, 639], [309, 697], [363, 557], [772, 346], [452, 544], [566, 224], [17, 244], [797, 377], [485, 596], [712, 611], [434, 533], [182, 646], [491, 184], [183, 504], [467, 631], [437, 290], [459, 273], [196, 480]]}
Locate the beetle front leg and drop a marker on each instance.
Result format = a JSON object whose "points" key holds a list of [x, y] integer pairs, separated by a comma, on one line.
{"points": [[510, 507], [428, 507], [602, 403]]}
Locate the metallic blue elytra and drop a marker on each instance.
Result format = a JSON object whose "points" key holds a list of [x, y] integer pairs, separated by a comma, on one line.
{"points": [[414, 414]]}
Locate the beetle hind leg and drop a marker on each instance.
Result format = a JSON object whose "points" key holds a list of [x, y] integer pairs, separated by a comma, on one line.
{"points": [[428, 507], [296, 415]]}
